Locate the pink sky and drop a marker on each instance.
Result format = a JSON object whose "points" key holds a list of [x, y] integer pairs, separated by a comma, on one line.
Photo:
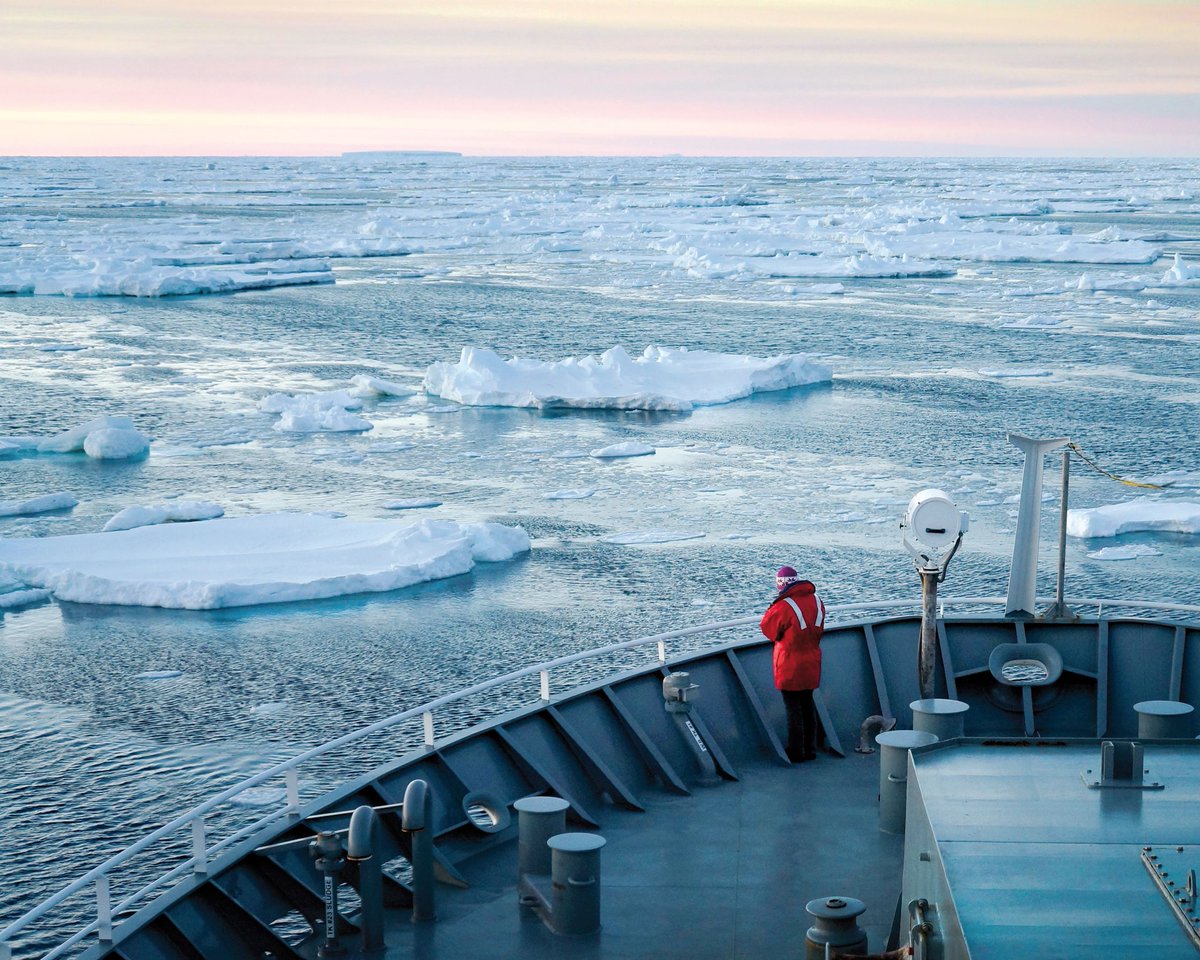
{"points": [[789, 77]]}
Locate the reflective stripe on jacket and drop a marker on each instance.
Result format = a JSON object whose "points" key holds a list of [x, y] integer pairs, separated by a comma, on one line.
{"points": [[795, 622]]}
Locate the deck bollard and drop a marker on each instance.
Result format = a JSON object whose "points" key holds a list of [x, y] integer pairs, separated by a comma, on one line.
{"points": [[835, 930], [943, 718], [538, 819], [575, 882], [417, 821], [1164, 720], [893, 774], [362, 848]]}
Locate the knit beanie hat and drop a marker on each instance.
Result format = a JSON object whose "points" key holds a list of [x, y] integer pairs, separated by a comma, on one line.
{"points": [[786, 577]]}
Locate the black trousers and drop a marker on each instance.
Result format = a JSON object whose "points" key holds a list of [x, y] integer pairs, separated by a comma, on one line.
{"points": [[801, 724]]}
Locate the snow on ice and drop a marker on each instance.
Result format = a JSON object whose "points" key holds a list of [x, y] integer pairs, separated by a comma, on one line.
{"points": [[1134, 516], [240, 561], [178, 511], [660, 379]]}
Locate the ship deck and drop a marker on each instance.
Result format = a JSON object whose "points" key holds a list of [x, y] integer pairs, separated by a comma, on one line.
{"points": [[723, 873]]}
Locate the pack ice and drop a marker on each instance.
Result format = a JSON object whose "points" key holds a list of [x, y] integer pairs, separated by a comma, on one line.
{"points": [[241, 561], [660, 379], [1133, 516]]}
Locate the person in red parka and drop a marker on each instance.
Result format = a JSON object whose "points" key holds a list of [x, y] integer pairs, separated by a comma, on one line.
{"points": [[795, 622]]}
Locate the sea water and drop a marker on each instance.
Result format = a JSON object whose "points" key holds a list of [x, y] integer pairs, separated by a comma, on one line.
{"points": [[955, 301]]}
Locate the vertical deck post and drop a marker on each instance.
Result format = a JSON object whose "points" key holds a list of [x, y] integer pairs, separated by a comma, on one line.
{"points": [[1060, 610], [1022, 578], [104, 927], [927, 647]]}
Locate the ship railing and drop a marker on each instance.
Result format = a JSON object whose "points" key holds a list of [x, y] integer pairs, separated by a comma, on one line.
{"points": [[204, 850]]}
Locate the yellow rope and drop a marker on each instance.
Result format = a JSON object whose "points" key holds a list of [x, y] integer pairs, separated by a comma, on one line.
{"points": [[1112, 476]]}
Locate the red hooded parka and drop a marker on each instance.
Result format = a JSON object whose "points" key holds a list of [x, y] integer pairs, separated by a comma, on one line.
{"points": [[797, 639]]}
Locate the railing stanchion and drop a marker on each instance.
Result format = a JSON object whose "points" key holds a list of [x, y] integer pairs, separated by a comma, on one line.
{"points": [[662, 651], [292, 780], [103, 909], [544, 677], [199, 847], [427, 717]]}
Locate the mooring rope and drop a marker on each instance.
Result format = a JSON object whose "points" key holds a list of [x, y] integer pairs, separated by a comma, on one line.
{"points": [[1112, 476]]}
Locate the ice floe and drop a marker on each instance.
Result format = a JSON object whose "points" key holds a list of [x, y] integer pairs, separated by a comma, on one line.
{"points": [[660, 379], [627, 448], [158, 675], [1181, 274], [367, 386], [581, 493], [43, 504], [239, 561], [328, 411], [1132, 552], [651, 536], [415, 504], [1016, 373], [105, 438], [146, 276], [1133, 516], [177, 511]]}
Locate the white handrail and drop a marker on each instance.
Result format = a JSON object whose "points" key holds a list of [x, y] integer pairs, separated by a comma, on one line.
{"points": [[197, 812]]}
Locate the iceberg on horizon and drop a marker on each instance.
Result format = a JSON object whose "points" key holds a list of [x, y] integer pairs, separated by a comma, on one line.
{"points": [[660, 379], [242, 561]]}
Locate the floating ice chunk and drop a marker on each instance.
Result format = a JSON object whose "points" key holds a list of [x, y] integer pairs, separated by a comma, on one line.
{"points": [[579, 494], [42, 504], [21, 598], [178, 511], [660, 379], [1087, 283], [158, 675], [1133, 516], [1035, 321], [814, 288], [1181, 274], [316, 412], [112, 443], [71, 441], [412, 504], [651, 536], [630, 448], [270, 709], [239, 561], [366, 386], [1016, 372], [259, 797], [1131, 552]]}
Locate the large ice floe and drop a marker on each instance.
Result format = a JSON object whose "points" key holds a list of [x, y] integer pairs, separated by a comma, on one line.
{"points": [[660, 379], [241, 561], [1135, 516]]}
